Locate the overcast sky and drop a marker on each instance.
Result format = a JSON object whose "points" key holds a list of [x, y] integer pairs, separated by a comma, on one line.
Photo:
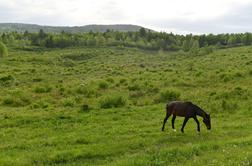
{"points": [[178, 16]]}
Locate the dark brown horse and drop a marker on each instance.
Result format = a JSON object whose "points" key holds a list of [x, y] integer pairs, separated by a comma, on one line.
{"points": [[187, 110]]}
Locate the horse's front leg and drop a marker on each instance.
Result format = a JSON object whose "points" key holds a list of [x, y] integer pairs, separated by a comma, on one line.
{"points": [[184, 123], [198, 124]]}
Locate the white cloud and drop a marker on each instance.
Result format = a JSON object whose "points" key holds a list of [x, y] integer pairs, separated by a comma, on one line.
{"points": [[167, 15]]}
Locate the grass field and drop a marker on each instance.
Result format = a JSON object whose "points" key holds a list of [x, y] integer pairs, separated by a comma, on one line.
{"points": [[105, 106]]}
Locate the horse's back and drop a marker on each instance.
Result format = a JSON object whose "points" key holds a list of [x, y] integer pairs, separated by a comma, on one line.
{"points": [[180, 108], [179, 103]]}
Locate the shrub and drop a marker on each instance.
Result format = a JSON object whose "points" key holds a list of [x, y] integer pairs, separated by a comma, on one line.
{"points": [[112, 101], [86, 91], [40, 104], [238, 74], [229, 105], [68, 63], [85, 108], [123, 81], [226, 77], [168, 95], [6, 80], [8, 100], [111, 80], [250, 72], [3, 50], [136, 94], [42, 89], [134, 87], [103, 85], [235, 93], [16, 99], [37, 79], [68, 102]]}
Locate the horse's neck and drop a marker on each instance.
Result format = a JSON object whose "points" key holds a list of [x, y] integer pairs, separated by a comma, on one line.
{"points": [[201, 113]]}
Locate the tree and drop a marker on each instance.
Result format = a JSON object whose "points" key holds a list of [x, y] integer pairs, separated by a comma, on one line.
{"points": [[3, 50], [49, 42], [186, 45], [195, 47], [42, 34], [142, 32], [247, 39], [231, 40]]}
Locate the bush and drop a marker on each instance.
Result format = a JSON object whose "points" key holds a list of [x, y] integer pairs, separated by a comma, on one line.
{"points": [[42, 89], [134, 87], [16, 99], [85, 108], [68, 102], [103, 85], [87, 91], [40, 104], [3, 50], [111, 80], [229, 105], [168, 95], [250, 72], [6, 80], [112, 101], [123, 81]]}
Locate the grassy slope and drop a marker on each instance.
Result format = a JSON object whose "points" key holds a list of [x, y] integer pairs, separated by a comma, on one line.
{"points": [[41, 121]]}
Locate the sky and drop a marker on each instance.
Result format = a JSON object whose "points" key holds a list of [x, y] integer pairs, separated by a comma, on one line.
{"points": [[177, 16]]}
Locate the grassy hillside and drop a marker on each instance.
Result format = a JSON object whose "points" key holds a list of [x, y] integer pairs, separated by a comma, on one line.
{"points": [[11, 27], [105, 106]]}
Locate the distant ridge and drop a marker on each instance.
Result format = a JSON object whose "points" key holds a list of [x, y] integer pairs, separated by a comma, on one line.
{"points": [[20, 27]]}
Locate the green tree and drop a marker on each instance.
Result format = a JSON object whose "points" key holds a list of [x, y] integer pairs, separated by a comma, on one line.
{"points": [[186, 45], [231, 40], [3, 50], [247, 39], [42, 34], [142, 32], [195, 47]]}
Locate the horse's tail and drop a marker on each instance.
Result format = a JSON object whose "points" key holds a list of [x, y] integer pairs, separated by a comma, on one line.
{"points": [[169, 107]]}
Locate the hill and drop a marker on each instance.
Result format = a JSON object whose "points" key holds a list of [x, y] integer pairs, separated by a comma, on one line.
{"points": [[105, 106], [9, 27]]}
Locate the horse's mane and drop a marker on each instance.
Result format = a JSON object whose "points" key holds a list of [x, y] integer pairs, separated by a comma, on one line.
{"points": [[199, 110]]}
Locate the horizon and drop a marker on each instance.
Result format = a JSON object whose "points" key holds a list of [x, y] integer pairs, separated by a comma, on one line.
{"points": [[72, 26], [180, 17]]}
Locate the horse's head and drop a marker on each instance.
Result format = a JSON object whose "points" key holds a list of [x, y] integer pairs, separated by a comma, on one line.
{"points": [[207, 121]]}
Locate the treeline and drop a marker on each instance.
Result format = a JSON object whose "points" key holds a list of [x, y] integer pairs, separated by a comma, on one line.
{"points": [[141, 39]]}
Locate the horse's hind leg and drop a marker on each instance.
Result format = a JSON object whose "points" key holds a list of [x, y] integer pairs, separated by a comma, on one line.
{"points": [[173, 120], [165, 119]]}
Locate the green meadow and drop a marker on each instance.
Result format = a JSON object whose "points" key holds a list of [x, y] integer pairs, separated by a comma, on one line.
{"points": [[105, 106]]}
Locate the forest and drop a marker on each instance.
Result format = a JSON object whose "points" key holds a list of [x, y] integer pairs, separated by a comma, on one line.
{"points": [[143, 39]]}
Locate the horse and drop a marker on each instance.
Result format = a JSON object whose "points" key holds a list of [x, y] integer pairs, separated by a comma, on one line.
{"points": [[187, 110]]}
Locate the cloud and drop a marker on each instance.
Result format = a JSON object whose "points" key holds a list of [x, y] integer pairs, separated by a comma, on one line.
{"points": [[180, 16], [235, 20]]}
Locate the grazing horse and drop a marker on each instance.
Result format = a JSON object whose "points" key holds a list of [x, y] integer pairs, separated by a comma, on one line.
{"points": [[187, 110]]}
